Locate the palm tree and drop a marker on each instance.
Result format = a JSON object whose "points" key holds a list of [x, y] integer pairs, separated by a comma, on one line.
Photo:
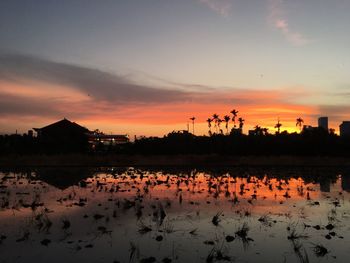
{"points": [[193, 119], [219, 123], [227, 120], [241, 122], [299, 123], [209, 125], [216, 120], [234, 116], [278, 126]]}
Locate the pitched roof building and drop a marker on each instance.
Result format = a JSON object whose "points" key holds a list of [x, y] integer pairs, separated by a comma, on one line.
{"points": [[67, 136], [61, 128], [63, 136]]}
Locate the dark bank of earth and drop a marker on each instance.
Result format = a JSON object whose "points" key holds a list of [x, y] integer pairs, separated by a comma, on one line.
{"points": [[72, 160]]}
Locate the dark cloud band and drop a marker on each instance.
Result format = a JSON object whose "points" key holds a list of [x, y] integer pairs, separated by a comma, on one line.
{"points": [[96, 83]]}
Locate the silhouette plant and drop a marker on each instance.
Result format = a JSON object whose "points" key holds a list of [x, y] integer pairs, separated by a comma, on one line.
{"points": [[227, 120], [299, 123], [278, 126], [209, 121], [193, 119], [234, 116]]}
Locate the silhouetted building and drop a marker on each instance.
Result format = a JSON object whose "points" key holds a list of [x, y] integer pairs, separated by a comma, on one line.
{"points": [[61, 128], [63, 136], [344, 128], [323, 123], [309, 128], [107, 139]]}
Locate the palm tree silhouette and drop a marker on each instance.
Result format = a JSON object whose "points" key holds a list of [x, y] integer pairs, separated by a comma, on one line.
{"points": [[299, 122], [219, 123], [278, 126], [241, 122], [234, 116], [216, 121], [209, 125], [227, 120], [193, 119]]}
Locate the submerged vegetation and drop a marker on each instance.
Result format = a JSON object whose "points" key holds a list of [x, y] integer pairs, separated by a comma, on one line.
{"points": [[135, 215]]}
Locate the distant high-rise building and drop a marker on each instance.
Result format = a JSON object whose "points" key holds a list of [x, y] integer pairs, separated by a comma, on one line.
{"points": [[323, 123], [344, 128]]}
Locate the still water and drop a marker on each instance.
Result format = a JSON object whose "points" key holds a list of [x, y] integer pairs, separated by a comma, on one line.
{"points": [[175, 215]]}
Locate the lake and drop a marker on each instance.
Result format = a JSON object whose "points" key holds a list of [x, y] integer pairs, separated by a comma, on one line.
{"points": [[230, 214]]}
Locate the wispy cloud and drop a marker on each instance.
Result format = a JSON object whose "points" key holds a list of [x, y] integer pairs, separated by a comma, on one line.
{"points": [[33, 88], [17, 105], [83, 83], [222, 7], [279, 21], [97, 84]]}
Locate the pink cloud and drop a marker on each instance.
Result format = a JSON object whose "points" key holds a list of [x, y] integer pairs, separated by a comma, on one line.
{"points": [[281, 24], [278, 18], [222, 7]]}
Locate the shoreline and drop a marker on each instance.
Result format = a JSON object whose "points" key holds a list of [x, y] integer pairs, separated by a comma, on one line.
{"points": [[80, 160]]}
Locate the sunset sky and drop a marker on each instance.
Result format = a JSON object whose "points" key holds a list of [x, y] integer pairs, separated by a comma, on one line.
{"points": [[144, 67]]}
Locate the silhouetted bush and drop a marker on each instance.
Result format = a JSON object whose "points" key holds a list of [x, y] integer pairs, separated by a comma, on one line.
{"points": [[315, 143]]}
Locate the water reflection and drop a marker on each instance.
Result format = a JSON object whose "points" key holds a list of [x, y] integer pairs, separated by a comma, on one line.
{"points": [[174, 215]]}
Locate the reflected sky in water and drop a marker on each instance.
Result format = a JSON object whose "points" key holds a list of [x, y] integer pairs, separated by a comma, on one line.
{"points": [[174, 215]]}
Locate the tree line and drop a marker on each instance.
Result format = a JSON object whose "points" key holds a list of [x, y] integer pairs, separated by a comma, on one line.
{"points": [[215, 122], [221, 140]]}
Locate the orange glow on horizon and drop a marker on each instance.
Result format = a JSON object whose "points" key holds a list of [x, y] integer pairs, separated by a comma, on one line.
{"points": [[257, 107]]}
